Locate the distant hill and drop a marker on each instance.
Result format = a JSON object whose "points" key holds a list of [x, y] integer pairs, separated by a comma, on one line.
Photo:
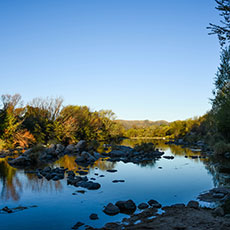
{"points": [[141, 123]]}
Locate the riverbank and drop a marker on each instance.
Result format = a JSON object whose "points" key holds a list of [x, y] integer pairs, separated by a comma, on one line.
{"points": [[177, 218]]}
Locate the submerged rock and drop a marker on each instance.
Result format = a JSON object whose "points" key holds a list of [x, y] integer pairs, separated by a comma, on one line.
{"points": [[93, 216]]}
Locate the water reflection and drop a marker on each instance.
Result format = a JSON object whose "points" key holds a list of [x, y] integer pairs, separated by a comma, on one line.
{"points": [[14, 181], [10, 182]]}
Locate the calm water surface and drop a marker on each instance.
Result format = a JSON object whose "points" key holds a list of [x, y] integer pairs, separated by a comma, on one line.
{"points": [[178, 181]]}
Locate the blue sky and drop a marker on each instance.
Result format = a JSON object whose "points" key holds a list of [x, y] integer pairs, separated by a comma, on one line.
{"points": [[143, 59]]}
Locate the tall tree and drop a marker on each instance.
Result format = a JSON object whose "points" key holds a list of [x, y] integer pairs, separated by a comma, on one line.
{"points": [[222, 30]]}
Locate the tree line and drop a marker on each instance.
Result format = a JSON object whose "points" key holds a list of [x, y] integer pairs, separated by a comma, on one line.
{"points": [[48, 121]]}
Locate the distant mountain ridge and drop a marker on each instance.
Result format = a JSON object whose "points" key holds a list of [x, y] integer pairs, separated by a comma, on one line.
{"points": [[128, 124]]}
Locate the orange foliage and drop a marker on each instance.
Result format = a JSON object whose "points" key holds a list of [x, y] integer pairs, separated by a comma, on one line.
{"points": [[23, 138]]}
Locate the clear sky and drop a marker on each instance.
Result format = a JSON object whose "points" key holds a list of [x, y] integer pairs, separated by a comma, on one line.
{"points": [[144, 59]]}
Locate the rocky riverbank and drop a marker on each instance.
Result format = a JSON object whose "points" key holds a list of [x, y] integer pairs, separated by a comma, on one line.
{"points": [[38, 156], [174, 217]]}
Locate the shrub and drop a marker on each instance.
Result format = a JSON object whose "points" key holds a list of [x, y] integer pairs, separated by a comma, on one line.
{"points": [[220, 148]]}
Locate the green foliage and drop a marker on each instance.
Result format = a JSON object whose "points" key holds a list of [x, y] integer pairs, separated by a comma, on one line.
{"points": [[43, 121], [176, 129], [223, 30], [221, 102], [220, 148]]}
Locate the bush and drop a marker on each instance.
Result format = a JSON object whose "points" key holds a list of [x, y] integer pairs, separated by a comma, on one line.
{"points": [[2, 143], [221, 148]]}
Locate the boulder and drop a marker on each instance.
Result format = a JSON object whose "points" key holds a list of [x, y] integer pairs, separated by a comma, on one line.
{"points": [[143, 206], [154, 204], [193, 204], [80, 145], [90, 185], [70, 148], [93, 216], [59, 148], [117, 153], [126, 206], [111, 209], [20, 161]]}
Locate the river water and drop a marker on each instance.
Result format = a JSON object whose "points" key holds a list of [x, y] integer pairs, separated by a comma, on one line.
{"points": [[167, 181]]}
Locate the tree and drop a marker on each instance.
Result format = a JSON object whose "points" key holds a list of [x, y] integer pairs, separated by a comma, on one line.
{"points": [[11, 118], [223, 30], [221, 101]]}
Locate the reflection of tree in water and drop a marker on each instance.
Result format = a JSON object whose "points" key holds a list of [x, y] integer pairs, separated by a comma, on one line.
{"points": [[104, 165], [220, 170], [69, 162], [11, 185], [38, 185], [13, 182], [150, 164]]}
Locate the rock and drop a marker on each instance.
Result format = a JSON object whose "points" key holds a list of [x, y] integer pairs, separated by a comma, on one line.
{"points": [[39, 176], [218, 195], [20, 161], [70, 148], [80, 159], [77, 225], [168, 157], [126, 206], [218, 211], [143, 206], [116, 181], [154, 204], [117, 153], [180, 205], [59, 148], [194, 157], [93, 216], [89, 185], [46, 169], [80, 145], [111, 209], [81, 191], [82, 172], [96, 155], [6, 209], [51, 149], [111, 170], [71, 174], [193, 204]]}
